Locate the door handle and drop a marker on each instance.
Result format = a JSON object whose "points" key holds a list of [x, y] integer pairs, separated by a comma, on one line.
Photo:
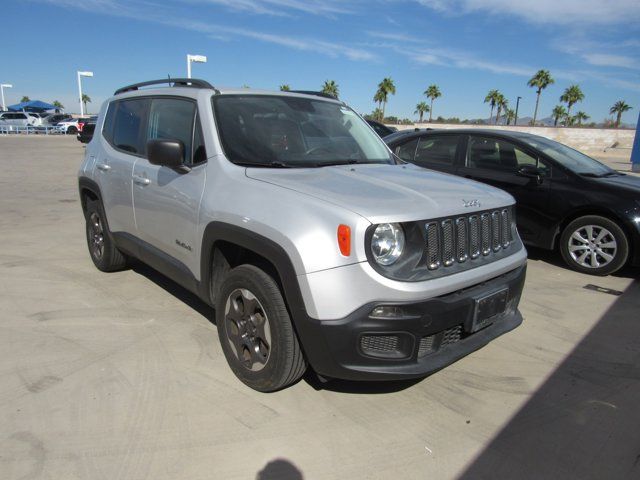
{"points": [[137, 179], [104, 167]]}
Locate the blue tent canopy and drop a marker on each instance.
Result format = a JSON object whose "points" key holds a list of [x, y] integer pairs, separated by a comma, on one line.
{"points": [[32, 106]]}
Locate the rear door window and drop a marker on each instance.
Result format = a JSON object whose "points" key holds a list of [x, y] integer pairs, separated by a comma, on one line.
{"points": [[129, 134], [407, 151], [437, 150]]}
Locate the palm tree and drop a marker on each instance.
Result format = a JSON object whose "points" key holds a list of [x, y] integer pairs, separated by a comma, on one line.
{"points": [[385, 87], [501, 103], [541, 80], [377, 114], [330, 88], [432, 93], [85, 99], [285, 88], [25, 99], [57, 104], [421, 108], [379, 97], [618, 109], [571, 96], [491, 100], [580, 117], [558, 113], [509, 115]]}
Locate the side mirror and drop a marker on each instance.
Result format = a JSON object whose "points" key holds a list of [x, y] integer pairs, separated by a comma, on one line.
{"points": [[166, 153], [530, 171]]}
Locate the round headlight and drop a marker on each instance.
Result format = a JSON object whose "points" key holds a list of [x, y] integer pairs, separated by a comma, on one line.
{"points": [[387, 243]]}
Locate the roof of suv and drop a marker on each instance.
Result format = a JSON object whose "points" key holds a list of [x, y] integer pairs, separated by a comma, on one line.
{"points": [[188, 86]]}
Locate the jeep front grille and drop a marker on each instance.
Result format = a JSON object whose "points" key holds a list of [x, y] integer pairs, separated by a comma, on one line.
{"points": [[456, 240]]}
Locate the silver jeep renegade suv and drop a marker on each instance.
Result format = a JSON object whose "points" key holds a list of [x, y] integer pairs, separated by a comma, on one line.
{"points": [[290, 216]]}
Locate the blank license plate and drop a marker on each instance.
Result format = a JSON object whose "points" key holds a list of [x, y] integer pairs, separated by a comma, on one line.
{"points": [[488, 308]]}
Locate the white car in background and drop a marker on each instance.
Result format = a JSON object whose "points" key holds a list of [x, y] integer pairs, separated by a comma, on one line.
{"points": [[15, 119], [69, 126], [35, 119]]}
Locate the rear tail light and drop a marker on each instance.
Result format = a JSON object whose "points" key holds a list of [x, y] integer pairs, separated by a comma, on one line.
{"points": [[80, 126]]}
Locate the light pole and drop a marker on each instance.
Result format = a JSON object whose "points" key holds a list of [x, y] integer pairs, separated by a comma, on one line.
{"points": [[515, 123], [194, 58], [2, 87], [82, 74]]}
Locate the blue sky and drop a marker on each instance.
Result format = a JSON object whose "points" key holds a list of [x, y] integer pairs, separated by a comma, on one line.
{"points": [[467, 47]]}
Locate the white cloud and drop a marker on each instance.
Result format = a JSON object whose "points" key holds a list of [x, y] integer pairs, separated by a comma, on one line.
{"points": [[565, 12], [610, 60], [139, 10], [282, 7], [437, 55]]}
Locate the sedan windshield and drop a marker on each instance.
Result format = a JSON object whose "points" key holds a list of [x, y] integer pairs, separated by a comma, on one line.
{"points": [[287, 131], [568, 157]]}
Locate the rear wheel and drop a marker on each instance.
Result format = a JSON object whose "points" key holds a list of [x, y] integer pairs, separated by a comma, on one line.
{"points": [[72, 130], [595, 245], [255, 331], [105, 255]]}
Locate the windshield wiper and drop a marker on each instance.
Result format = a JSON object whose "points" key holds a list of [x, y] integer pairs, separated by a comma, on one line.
{"points": [[344, 162], [599, 175], [274, 164]]}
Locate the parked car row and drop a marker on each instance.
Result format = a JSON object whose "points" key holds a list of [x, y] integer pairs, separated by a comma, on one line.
{"points": [[31, 119]]}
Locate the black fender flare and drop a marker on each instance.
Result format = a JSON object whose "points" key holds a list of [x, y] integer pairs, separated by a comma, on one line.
{"points": [[260, 245], [313, 345], [85, 183]]}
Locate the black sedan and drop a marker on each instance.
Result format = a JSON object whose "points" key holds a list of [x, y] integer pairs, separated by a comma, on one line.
{"points": [[564, 198]]}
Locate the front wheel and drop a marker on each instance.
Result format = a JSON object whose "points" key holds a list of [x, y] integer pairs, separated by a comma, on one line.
{"points": [[594, 245], [104, 253], [255, 331]]}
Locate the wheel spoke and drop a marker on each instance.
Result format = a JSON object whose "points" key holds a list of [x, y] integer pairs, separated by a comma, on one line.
{"points": [[594, 260], [589, 230], [603, 233], [578, 237], [574, 248], [604, 255], [582, 257], [611, 244]]}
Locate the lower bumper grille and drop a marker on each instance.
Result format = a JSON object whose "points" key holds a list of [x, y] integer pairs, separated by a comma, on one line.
{"points": [[437, 341]]}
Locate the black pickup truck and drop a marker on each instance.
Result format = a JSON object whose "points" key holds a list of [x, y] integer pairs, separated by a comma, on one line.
{"points": [[86, 126]]}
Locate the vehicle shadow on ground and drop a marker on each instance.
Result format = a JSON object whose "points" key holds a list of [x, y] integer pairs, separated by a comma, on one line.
{"points": [[554, 258], [179, 292], [582, 423], [358, 387]]}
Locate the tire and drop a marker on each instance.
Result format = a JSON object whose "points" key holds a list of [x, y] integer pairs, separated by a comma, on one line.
{"points": [[255, 331], [594, 245], [72, 131], [106, 257]]}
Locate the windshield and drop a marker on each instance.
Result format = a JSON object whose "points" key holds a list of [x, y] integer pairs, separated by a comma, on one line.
{"points": [[568, 157], [283, 131]]}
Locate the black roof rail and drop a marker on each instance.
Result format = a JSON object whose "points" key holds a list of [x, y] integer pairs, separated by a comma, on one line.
{"points": [[177, 82], [317, 94]]}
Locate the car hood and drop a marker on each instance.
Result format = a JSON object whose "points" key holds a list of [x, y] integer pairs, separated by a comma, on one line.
{"points": [[388, 193], [628, 182]]}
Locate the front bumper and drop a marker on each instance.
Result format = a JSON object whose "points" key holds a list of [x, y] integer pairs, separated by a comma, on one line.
{"points": [[427, 337]]}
